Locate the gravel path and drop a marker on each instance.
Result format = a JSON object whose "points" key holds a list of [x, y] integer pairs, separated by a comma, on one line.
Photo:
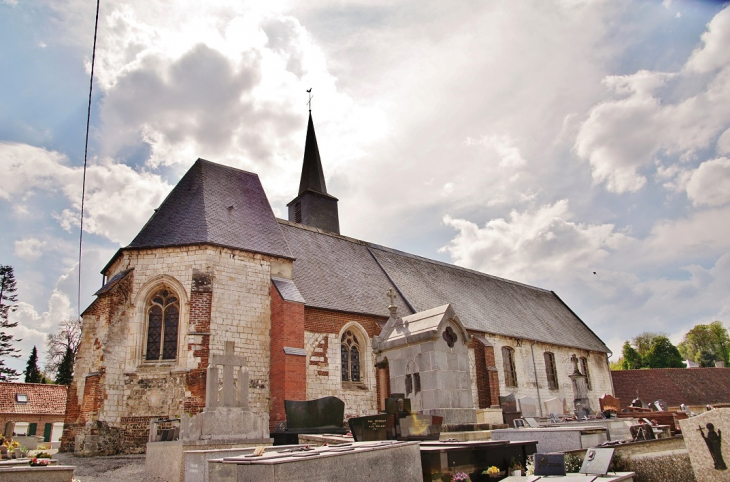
{"points": [[120, 468]]}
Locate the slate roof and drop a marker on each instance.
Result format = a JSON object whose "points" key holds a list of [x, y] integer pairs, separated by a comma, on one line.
{"points": [[344, 274], [42, 399], [219, 205], [691, 386], [312, 174]]}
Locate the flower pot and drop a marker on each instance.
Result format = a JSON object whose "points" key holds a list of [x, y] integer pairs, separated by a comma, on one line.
{"points": [[516, 472]]}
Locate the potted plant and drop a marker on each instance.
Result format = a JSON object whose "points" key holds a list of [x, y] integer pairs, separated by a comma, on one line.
{"points": [[460, 477], [515, 467], [493, 472]]}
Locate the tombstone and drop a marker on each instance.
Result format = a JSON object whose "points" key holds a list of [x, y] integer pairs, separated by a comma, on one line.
{"points": [[549, 464], [597, 461], [531, 422], [553, 405], [609, 403], [580, 390], [370, 428], [637, 402], [508, 403], [226, 415], [225, 423], [420, 427], [661, 405], [9, 429], [396, 408], [708, 452], [528, 407]]}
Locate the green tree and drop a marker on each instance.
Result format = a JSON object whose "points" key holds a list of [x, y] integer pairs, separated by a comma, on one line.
{"points": [[32, 372], [632, 360], [617, 365], [662, 354], [705, 342], [66, 368], [8, 300], [644, 341]]}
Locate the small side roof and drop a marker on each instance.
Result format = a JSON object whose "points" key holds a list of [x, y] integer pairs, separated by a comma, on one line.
{"points": [[218, 205]]}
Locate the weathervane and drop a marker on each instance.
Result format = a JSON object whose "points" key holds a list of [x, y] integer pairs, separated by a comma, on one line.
{"points": [[309, 91]]}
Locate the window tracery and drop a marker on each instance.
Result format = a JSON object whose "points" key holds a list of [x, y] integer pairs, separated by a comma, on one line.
{"points": [[163, 316], [350, 357]]}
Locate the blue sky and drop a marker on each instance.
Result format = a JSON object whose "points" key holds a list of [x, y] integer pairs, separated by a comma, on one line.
{"points": [[537, 140]]}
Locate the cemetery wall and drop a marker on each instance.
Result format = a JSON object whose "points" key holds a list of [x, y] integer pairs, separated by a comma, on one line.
{"points": [[224, 295], [322, 335], [600, 375]]}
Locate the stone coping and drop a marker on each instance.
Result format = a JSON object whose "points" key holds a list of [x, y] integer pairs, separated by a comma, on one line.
{"points": [[275, 458], [203, 443], [617, 477], [641, 446], [578, 428]]}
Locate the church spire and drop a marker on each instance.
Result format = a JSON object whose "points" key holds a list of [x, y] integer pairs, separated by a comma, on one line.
{"points": [[312, 174], [313, 206]]}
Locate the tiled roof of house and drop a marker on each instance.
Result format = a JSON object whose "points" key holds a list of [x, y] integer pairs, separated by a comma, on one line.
{"points": [[219, 205], [691, 386], [339, 273], [42, 399]]}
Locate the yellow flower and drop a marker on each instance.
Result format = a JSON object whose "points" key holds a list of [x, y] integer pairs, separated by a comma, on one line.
{"points": [[492, 470]]}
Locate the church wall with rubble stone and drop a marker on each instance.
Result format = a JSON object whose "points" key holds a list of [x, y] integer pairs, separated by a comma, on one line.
{"points": [[598, 369], [224, 296]]}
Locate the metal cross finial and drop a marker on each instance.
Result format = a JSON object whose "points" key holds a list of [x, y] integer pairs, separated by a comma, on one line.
{"points": [[309, 91], [391, 294]]}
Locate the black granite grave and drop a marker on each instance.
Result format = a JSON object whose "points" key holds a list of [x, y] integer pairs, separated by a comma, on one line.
{"points": [[320, 416], [370, 428]]}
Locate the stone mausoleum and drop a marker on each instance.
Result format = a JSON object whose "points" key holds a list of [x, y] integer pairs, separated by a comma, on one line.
{"points": [[306, 306]]}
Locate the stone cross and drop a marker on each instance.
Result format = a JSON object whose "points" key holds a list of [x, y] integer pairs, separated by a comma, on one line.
{"points": [[228, 397], [391, 294]]}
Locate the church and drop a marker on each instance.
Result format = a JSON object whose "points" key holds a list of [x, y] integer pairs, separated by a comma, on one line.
{"points": [[312, 311]]}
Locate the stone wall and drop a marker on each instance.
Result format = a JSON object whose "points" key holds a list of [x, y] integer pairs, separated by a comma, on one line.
{"points": [[224, 296], [323, 330], [600, 374]]}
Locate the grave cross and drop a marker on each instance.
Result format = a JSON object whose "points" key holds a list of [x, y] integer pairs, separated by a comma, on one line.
{"points": [[228, 361]]}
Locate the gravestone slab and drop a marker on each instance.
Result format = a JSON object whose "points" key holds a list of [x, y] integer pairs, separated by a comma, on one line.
{"points": [[708, 452], [553, 405], [528, 407], [371, 428], [549, 464], [609, 403], [661, 405], [508, 403], [322, 413], [596, 461]]}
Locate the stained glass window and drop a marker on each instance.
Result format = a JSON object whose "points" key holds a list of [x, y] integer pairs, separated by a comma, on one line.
{"points": [[350, 357], [163, 315]]}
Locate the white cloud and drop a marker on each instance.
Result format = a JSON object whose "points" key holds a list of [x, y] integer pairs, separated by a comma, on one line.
{"points": [[723, 143], [29, 249], [532, 245], [710, 183], [659, 115], [114, 192]]}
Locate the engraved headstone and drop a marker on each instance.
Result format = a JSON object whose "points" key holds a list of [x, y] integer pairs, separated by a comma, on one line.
{"points": [[708, 452], [549, 464], [596, 461], [314, 415], [370, 428], [528, 407]]}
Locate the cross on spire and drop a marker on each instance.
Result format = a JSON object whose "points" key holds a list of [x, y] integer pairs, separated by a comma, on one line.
{"points": [[309, 91]]}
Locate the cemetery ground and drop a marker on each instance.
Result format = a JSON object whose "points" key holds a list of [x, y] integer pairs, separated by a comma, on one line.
{"points": [[119, 468]]}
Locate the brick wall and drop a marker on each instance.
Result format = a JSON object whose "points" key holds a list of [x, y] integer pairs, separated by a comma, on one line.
{"points": [[324, 376], [224, 295], [288, 372], [485, 377]]}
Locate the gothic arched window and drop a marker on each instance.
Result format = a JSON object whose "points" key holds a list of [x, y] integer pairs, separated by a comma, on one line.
{"points": [[584, 368], [551, 371], [350, 357], [508, 363], [163, 315]]}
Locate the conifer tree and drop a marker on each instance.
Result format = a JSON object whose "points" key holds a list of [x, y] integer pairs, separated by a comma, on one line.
{"points": [[66, 368], [7, 305], [32, 372]]}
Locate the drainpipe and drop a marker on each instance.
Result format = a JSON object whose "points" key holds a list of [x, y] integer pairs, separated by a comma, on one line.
{"points": [[610, 377], [537, 385]]}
